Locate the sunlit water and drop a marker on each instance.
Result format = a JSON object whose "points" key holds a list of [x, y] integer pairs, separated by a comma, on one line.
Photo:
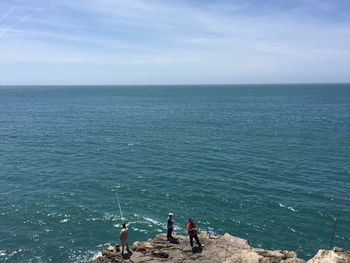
{"points": [[266, 163]]}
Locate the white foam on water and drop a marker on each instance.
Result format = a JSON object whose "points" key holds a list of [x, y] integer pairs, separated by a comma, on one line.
{"points": [[41, 222], [2, 253], [64, 220], [80, 256], [176, 227], [103, 245], [53, 214], [13, 253], [111, 217], [292, 209], [288, 207], [96, 255], [333, 217], [35, 237], [153, 221], [92, 219]]}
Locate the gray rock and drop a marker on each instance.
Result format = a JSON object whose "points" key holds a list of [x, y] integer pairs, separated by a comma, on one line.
{"points": [[223, 249], [337, 255]]}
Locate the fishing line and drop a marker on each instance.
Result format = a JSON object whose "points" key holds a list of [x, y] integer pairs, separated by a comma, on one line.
{"points": [[120, 208], [336, 224], [334, 230]]}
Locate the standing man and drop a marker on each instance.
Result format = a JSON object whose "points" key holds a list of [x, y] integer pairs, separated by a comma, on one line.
{"points": [[192, 232], [170, 226], [123, 236]]}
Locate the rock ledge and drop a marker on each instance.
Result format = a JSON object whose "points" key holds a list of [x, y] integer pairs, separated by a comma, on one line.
{"points": [[223, 249]]}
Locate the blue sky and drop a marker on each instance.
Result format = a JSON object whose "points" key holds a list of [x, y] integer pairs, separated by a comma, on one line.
{"points": [[174, 42]]}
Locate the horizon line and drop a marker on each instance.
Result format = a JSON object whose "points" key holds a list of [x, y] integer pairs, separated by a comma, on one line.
{"points": [[182, 84]]}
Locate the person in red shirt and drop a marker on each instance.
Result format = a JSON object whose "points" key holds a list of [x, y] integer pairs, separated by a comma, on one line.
{"points": [[192, 232]]}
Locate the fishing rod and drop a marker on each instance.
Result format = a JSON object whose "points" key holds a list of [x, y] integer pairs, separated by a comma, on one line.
{"points": [[120, 208], [335, 225], [334, 230]]}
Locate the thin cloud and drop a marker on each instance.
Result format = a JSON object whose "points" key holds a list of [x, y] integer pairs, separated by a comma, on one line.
{"points": [[7, 13], [232, 40], [20, 21]]}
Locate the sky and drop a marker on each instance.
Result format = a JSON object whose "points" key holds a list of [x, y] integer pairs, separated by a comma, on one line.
{"points": [[80, 42]]}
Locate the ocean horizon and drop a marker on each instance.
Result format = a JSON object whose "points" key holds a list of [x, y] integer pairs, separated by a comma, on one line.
{"points": [[265, 162], [181, 84]]}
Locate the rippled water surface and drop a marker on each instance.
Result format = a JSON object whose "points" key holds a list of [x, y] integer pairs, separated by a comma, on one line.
{"points": [[267, 163]]}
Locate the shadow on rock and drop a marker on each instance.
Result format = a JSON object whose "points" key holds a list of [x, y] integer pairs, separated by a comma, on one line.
{"points": [[127, 255], [197, 250], [174, 241]]}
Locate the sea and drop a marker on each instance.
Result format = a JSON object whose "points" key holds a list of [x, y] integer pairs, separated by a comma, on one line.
{"points": [[267, 163]]}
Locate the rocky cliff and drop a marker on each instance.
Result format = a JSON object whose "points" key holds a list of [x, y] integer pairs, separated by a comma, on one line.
{"points": [[223, 249]]}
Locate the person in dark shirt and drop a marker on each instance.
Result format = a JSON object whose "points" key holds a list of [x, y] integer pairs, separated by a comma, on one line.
{"points": [[170, 226], [192, 232]]}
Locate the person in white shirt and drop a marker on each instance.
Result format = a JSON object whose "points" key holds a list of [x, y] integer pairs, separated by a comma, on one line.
{"points": [[123, 236]]}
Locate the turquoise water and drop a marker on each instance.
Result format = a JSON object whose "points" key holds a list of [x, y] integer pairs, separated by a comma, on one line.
{"points": [[268, 163]]}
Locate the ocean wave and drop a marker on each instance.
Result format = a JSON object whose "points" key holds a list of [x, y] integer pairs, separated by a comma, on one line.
{"points": [[14, 252], [292, 229], [288, 207], [153, 221], [35, 237], [111, 217], [140, 230], [93, 219], [81, 256], [96, 255]]}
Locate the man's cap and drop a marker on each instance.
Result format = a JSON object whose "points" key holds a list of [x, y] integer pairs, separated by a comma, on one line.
{"points": [[171, 214]]}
